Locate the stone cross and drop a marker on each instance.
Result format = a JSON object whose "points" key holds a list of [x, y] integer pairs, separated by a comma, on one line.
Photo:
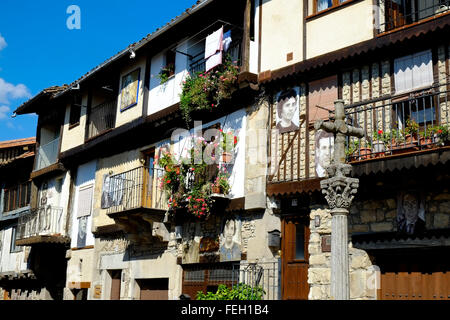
{"points": [[339, 190]]}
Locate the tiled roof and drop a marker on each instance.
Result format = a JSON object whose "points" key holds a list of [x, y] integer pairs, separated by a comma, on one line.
{"points": [[50, 91], [17, 143]]}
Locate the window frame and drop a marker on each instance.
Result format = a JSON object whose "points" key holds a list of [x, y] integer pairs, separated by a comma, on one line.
{"points": [[75, 106], [13, 247], [335, 4]]}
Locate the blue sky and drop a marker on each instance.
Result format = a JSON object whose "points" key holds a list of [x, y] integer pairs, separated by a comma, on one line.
{"points": [[37, 49]]}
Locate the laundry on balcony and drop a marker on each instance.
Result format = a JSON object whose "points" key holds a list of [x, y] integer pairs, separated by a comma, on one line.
{"points": [[213, 49]]}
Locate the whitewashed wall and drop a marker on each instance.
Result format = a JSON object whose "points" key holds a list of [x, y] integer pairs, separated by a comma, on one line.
{"points": [[167, 94], [10, 262], [235, 121]]}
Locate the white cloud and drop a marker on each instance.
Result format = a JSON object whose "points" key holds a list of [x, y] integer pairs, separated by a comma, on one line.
{"points": [[4, 112], [10, 91], [3, 43]]}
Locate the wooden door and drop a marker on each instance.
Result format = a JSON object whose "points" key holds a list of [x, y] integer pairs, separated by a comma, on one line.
{"points": [[147, 181], [415, 277], [295, 259], [115, 284], [154, 289]]}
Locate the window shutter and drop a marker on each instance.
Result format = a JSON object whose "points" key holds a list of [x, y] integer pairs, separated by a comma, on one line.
{"points": [[322, 93], [413, 71], [85, 202]]}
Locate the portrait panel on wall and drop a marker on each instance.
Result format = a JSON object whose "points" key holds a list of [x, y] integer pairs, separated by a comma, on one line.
{"points": [[410, 212], [230, 240], [129, 89], [324, 151], [287, 110]]}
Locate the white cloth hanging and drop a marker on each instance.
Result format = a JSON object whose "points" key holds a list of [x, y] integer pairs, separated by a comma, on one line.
{"points": [[213, 49]]}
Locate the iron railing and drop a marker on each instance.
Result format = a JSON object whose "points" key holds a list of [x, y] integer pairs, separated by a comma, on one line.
{"points": [[133, 189], [398, 13], [45, 220], [265, 275], [198, 63], [398, 125], [47, 154], [101, 118], [256, 276]]}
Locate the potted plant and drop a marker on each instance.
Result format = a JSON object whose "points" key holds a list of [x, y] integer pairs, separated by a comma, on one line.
{"points": [[221, 184], [228, 143], [426, 137], [205, 90], [380, 141], [365, 149], [442, 135], [352, 147], [165, 73], [411, 132]]}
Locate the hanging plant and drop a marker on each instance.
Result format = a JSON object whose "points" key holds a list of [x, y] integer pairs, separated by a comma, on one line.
{"points": [[205, 90]]}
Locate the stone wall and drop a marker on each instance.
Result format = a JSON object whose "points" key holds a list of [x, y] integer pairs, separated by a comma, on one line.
{"points": [[319, 272], [380, 215]]}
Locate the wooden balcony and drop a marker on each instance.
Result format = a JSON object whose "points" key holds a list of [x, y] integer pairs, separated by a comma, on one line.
{"points": [[42, 225], [136, 191], [396, 14]]}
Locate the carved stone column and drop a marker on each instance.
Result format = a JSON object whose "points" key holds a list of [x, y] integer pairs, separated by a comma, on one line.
{"points": [[339, 191]]}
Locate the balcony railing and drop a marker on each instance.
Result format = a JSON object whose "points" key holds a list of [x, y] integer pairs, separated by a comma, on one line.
{"points": [[47, 154], [135, 189], [198, 63], [396, 125], [102, 118], [43, 221], [398, 13]]}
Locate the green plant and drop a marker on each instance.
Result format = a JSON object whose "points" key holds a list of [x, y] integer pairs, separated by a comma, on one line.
{"points": [[412, 127], [205, 90], [442, 133], [240, 291], [165, 73], [380, 135], [221, 181], [228, 141], [352, 147]]}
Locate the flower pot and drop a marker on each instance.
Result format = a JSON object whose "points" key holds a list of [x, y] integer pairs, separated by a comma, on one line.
{"points": [[227, 157], [216, 189], [378, 149], [364, 153], [426, 142]]}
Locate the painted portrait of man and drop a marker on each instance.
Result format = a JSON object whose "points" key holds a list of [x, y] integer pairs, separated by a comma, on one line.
{"points": [[410, 213], [324, 152], [230, 248], [288, 110]]}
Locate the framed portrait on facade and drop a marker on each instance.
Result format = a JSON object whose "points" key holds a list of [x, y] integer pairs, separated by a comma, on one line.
{"points": [[230, 240], [287, 110], [324, 151], [129, 90]]}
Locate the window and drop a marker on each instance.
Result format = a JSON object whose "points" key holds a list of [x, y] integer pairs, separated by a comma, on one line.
{"points": [[413, 71], [17, 197], [325, 4], [170, 63], [14, 248], [75, 111], [421, 109]]}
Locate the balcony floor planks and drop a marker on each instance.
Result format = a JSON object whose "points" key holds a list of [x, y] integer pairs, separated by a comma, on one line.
{"points": [[55, 239]]}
